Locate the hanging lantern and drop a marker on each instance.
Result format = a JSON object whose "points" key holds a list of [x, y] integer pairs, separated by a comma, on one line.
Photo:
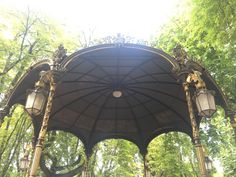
{"points": [[35, 101], [208, 163], [24, 163], [205, 102]]}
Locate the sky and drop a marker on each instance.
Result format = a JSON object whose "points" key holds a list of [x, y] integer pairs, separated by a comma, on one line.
{"points": [[137, 18]]}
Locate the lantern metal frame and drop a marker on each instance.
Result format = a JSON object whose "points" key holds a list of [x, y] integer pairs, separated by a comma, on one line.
{"points": [[47, 78], [208, 95], [37, 106], [24, 163], [195, 78], [208, 164]]}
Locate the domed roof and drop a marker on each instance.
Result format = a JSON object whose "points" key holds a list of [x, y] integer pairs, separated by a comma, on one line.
{"points": [[112, 91]]}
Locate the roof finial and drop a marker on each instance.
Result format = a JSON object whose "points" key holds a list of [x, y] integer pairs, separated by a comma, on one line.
{"points": [[119, 40], [180, 54], [60, 54]]}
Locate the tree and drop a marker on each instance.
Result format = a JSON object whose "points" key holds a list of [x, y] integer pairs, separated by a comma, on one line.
{"points": [[118, 158], [208, 35], [24, 38], [172, 155]]}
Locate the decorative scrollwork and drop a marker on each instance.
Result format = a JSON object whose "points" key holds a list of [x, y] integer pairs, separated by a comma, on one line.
{"points": [[195, 77], [59, 171], [185, 65]]}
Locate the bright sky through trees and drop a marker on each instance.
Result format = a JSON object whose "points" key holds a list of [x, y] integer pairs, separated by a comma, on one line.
{"points": [[136, 18]]}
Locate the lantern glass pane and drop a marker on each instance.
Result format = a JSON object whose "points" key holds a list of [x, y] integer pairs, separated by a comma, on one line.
{"points": [[208, 164], [30, 100], [211, 99], [39, 101]]}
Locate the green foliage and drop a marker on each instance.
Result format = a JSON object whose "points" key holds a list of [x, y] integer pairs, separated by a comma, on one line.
{"points": [[171, 155], [24, 38], [15, 131], [62, 149], [118, 158], [208, 35]]}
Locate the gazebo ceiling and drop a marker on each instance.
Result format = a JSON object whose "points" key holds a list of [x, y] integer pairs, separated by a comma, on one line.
{"points": [[151, 101]]}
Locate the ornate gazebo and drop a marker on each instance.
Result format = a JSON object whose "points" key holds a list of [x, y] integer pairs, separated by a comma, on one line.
{"points": [[127, 91]]}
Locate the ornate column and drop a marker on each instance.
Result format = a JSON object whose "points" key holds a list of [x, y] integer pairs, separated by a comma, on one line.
{"points": [[195, 130], [47, 78], [145, 167], [85, 172], [146, 172], [43, 130], [188, 76]]}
